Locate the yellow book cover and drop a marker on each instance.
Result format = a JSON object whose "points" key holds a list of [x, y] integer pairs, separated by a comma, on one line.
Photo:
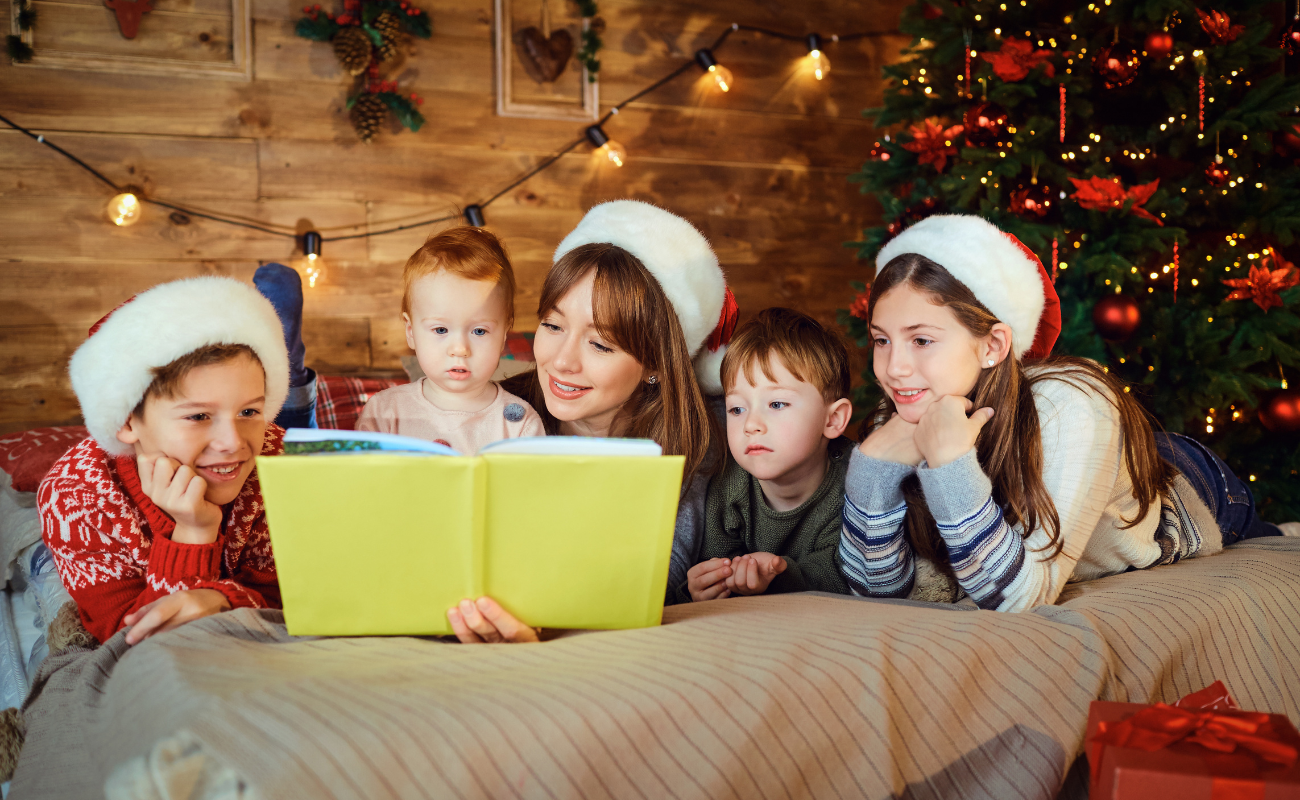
{"points": [[564, 533]]}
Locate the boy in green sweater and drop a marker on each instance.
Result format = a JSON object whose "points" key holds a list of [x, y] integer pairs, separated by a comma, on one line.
{"points": [[772, 517]]}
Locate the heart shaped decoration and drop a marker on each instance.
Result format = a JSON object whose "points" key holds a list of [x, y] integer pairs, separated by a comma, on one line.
{"points": [[544, 57]]}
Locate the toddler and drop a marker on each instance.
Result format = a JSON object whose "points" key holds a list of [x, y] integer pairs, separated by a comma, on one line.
{"points": [[772, 517], [458, 295]]}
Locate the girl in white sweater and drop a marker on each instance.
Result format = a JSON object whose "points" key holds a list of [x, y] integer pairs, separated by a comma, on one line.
{"points": [[1001, 479]]}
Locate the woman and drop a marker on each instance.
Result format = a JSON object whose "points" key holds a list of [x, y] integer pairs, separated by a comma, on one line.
{"points": [[1011, 479], [635, 292]]}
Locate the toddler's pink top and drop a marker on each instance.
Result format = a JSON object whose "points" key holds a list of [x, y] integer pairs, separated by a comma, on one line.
{"points": [[404, 410]]}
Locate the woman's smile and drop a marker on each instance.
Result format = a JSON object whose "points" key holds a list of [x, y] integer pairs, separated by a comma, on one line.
{"points": [[566, 391]]}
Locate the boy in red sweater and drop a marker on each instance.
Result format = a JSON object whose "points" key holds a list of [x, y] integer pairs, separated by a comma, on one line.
{"points": [[157, 519]]}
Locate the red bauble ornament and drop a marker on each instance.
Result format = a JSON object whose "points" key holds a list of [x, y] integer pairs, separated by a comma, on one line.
{"points": [[1288, 140], [1032, 201], [1217, 174], [1116, 317], [878, 152], [1158, 44], [985, 124], [1280, 413], [1291, 37], [1116, 65]]}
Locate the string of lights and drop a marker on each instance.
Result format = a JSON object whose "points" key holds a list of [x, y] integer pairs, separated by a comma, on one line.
{"points": [[126, 206]]}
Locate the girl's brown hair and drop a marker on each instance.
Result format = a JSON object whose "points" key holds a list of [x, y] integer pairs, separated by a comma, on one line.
{"points": [[631, 310], [1010, 446]]}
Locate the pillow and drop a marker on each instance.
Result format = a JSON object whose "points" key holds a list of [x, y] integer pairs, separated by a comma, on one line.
{"points": [[339, 400], [28, 455]]}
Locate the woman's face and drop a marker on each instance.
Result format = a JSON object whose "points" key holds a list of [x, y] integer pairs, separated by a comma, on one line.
{"points": [[922, 351], [585, 378]]}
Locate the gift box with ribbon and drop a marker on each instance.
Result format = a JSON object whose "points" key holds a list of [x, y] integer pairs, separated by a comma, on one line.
{"points": [[1201, 748]]}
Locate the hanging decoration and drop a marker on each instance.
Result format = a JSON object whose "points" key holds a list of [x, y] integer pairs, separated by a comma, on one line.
{"points": [[591, 41], [986, 123], [1269, 276], [1159, 44], [1288, 140], [1280, 413], [858, 307], [1062, 113], [1216, 173], [1032, 202], [933, 143], [966, 90], [1219, 27], [1290, 43], [543, 52], [1175, 270], [365, 37], [1200, 108], [1104, 194], [1116, 317], [1017, 59], [878, 152], [25, 18], [1056, 257], [1116, 65], [129, 13]]}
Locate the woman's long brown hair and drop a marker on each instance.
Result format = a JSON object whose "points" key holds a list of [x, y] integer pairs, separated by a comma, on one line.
{"points": [[631, 310], [1010, 446]]}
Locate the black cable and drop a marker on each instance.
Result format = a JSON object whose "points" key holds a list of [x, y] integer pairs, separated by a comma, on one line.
{"points": [[191, 212], [408, 226], [530, 173], [789, 37], [42, 140]]}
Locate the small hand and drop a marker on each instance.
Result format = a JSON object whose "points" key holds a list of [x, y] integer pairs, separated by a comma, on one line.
{"points": [[173, 611], [894, 441], [484, 620], [178, 490], [754, 572], [945, 432], [707, 579]]}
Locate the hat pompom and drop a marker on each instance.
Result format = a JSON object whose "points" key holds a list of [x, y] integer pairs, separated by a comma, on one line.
{"points": [[113, 368], [708, 370]]}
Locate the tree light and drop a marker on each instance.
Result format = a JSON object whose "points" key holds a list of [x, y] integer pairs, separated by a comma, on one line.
{"points": [[311, 247], [720, 74], [606, 146], [124, 209], [817, 60]]}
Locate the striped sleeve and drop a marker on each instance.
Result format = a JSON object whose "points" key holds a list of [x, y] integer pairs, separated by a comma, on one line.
{"points": [[875, 556]]}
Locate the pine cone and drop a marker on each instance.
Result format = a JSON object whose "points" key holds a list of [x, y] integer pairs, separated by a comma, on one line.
{"points": [[352, 47], [390, 29], [367, 115]]}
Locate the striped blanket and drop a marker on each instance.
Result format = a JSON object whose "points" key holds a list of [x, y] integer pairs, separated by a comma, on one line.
{"points": [[773, 697]]}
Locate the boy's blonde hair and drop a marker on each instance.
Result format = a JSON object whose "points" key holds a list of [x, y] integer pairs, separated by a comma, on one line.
{"points": [[808, 350], [472, 253]]}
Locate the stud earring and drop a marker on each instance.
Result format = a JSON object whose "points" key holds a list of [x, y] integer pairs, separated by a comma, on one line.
{"points": [[991, 362], [653, 379]]}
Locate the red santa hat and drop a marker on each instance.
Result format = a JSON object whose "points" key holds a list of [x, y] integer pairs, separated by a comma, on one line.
{"points": [[681, 260], [113, 368], [1002, 273]]}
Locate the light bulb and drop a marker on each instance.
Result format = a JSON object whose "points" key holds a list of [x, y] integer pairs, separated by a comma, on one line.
{"points": [[314, 269], [820, 64], [721, 76], [614, 152], [124, 209]]}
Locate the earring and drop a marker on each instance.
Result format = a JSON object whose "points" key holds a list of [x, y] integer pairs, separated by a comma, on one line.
{"points": [[991, 362], [653, 379]]}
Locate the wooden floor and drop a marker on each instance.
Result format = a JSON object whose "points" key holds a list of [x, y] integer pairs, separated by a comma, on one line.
{"points": [[761, 170]]}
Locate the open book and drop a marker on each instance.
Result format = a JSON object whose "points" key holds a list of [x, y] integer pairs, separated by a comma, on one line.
{"points": [[381, 534]]}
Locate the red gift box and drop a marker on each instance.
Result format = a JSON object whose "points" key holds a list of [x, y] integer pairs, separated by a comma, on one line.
{"points": [[1202, 748]]}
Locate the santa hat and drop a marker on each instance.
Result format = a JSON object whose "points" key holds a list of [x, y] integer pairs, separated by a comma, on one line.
{"points": [[1002, 273], [680, 259], [113, 368]]}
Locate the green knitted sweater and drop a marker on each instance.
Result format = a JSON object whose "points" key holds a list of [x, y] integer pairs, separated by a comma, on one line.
{"points": [[738, 520]]}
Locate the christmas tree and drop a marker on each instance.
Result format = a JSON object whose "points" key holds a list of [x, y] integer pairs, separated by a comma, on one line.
{"points": [[1147, 151]]}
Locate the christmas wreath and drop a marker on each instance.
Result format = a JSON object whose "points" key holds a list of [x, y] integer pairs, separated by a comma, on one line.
{"points": [[365, 36]]}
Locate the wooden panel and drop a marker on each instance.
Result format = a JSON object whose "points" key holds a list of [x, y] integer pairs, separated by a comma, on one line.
{"points": [[34, 385], [337, 343], [171, 35], [163, 166]]}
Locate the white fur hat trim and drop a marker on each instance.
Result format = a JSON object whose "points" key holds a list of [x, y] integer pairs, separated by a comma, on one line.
{"points": [[672, 249], [113, 368], [708, 370], [989, 262]]}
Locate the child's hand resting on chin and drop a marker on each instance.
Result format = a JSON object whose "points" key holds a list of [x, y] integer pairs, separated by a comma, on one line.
{"points": [[179, 490], [948, 429], [753, 573], [894, 441]]}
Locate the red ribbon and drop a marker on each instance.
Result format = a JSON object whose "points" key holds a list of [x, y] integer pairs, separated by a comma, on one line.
{"points": [[1156, 727]]}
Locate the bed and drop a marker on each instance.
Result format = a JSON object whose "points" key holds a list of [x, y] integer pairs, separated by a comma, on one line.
{"points": [[775, 696]]}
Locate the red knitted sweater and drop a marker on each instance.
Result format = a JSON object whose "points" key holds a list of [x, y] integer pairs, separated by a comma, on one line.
{"points": [[113, 549]]}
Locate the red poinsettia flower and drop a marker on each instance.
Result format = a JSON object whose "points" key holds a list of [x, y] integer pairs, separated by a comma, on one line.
{"points": [[858, 308], [1271, 275], [933, 143], [1219, 27], [1104, 194], [1016, 58]]}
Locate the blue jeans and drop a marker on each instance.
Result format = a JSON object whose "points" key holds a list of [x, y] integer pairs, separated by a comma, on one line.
{"points": [[1227, 497], [299, 409]]}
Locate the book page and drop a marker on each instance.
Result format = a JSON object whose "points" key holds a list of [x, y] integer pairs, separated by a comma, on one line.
{"points": [[321, 441], [573, 446]]}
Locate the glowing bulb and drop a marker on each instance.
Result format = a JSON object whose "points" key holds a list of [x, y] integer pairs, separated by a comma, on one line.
{"points": [[721, 76], [124, 209], [614, 152], [819, 63]]}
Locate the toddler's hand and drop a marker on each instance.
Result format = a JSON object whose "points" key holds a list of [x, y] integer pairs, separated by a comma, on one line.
{"points": [[178, 490], [173, 611], [707, 580], [753, 573]]}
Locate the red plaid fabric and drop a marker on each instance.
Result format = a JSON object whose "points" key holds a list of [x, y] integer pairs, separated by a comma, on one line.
{"points": [[339, 400]]}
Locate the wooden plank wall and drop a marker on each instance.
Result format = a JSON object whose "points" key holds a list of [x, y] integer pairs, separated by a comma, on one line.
{"points": [[761, 170]]}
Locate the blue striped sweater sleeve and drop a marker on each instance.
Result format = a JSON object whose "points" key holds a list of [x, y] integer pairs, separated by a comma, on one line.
{"points": [[987, 554], [875, 556]]}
